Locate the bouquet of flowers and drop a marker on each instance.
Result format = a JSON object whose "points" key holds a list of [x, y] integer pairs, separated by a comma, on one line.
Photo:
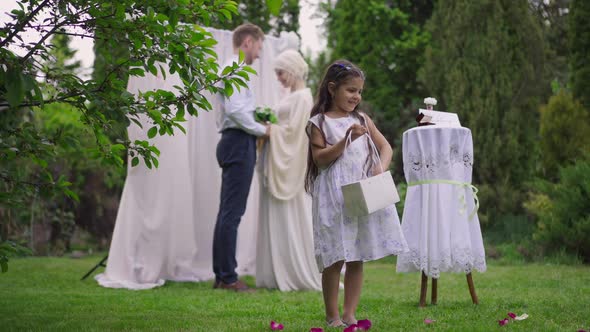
{"points": [[264, 115]]}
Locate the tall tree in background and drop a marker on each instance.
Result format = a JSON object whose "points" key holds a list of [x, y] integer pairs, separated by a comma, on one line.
{"points": [[579, 47], [100, 187], [387, 40], [261, 13], [53, 217], [62, 55], [111, 65], [486, 63], [553, 16]]}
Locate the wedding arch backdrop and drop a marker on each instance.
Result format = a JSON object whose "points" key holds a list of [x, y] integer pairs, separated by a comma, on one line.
{"points": [[166, 217]]}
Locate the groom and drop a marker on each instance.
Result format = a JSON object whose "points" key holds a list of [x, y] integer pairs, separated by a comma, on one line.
{"points": [[236, 155]]}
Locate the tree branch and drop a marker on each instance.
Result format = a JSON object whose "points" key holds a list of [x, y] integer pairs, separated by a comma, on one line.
{"points": [[75, 34], [40, 42], [22, 24]]}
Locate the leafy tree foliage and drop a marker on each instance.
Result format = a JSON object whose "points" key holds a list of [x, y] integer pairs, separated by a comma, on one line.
{"points": [[271, 16], [386, 39], [579, 47], [35, 84], [486, 63], [154, 35], [553, 16]]}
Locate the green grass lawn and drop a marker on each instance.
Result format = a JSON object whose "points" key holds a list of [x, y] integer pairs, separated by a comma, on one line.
{"points": [[47, 294]]}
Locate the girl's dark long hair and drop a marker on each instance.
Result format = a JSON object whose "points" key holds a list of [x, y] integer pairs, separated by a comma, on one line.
{"points": [[338, 72]]}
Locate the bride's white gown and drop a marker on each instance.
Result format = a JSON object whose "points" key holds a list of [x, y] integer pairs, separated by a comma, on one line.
{"points": [[285, 253], [166, 217]]}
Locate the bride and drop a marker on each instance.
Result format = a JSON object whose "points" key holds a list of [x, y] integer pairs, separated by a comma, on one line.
{"points": [[284, 253]]}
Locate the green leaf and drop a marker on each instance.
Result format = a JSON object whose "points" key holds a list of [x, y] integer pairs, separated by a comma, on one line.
{"points": [[226, 13], [239, 82], [241, 56], [15, 90], [115, 148], [136, 122], [152, 132], [210, 52], [136, 71], [134, 161], [180, 127], [208, 42], [153, 69], [38, 94], [72, 195], [243, 74], [226, 70], [274, 6], [229, 90], [250, 70], [155, 150]]}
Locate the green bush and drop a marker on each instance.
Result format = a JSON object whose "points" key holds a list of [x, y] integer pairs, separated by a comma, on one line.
{"points": [[45, 219], [564, 129], [9, 249], [563, 211]]}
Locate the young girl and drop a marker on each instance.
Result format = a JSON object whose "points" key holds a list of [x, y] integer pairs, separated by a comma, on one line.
{"points": [[340, 153]]}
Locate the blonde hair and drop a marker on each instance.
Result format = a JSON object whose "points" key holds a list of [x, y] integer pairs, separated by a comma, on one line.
{"points": [[245, 30]]}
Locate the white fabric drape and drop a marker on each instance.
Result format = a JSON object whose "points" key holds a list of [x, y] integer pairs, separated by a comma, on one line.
{"points": [[166, 217]]}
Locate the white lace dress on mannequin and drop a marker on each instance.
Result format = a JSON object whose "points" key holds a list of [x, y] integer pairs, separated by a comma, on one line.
{"points": [[440, 219]]}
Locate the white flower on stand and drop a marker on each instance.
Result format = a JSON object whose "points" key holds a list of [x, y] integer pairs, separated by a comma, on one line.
{"points": [[430, 101]]}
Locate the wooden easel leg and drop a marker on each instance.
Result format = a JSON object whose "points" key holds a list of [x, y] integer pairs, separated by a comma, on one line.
{"points": [[433, 294], [423, 290], [472, 288]]}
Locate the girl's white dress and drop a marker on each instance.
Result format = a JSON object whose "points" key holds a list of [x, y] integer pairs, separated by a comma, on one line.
{"points": [[336, 236]]}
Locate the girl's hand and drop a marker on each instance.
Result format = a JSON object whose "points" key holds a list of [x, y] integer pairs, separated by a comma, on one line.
{"points": [[356, 131]]}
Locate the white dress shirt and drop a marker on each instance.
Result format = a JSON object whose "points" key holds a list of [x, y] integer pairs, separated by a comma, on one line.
{"points": [[238, 110]]}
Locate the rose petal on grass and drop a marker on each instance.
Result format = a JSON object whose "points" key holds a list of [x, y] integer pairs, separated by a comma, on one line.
{"points": [[429, 321], [503, 322], [511, 315], [351, 328], [316, 329], [276, 326], [364, 324], [521, 317]]}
